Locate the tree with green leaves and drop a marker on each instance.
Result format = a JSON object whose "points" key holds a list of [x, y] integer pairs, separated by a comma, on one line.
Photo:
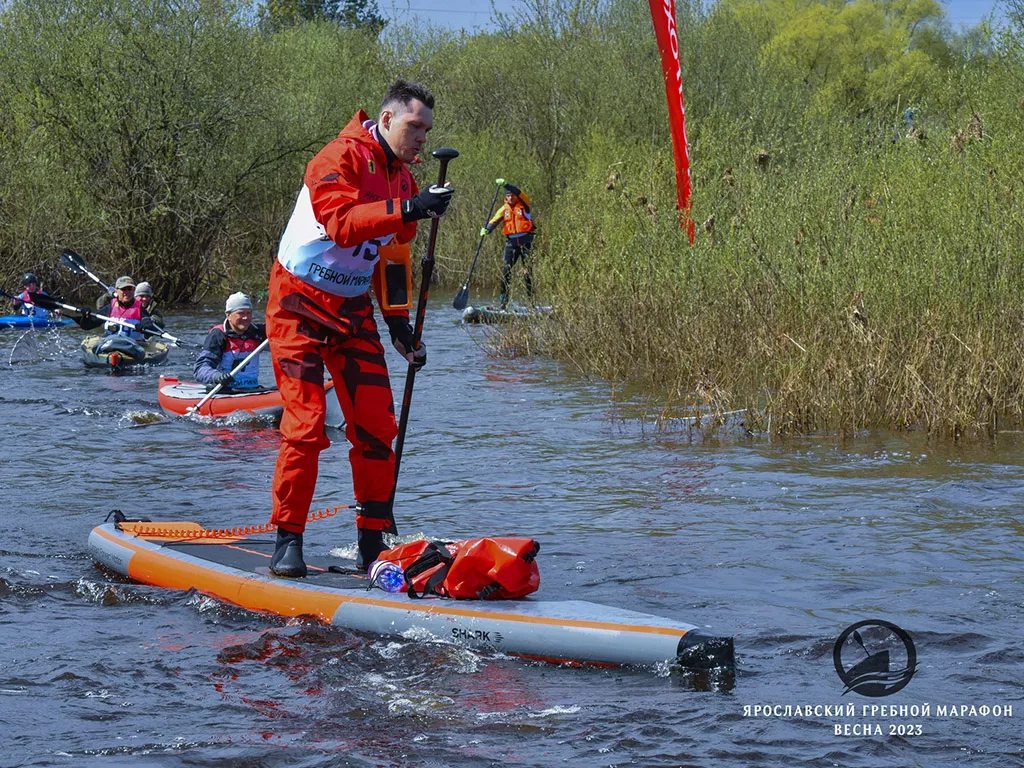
{"points": [[352, 14], [859, 54]]}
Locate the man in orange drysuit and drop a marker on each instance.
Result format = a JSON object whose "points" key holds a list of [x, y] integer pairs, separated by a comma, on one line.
{"points": [[358, 195]]}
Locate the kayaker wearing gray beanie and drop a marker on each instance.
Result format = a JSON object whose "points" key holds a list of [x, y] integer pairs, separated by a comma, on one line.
{"points": [[229, 343], [237, 301], [144, 295]]}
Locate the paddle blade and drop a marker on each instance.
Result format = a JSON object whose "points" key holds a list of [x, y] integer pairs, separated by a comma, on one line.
{"points": [[73, 261], [44, 301], [462, 298]]}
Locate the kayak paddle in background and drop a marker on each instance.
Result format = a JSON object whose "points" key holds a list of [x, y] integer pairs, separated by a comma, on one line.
{"points": [[462, 297], [73, 261], [195, 409], [48, 302], [17, 298]]}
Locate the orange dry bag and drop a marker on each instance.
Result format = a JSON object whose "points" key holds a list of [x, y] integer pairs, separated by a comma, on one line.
{"points": [[472, 569]]}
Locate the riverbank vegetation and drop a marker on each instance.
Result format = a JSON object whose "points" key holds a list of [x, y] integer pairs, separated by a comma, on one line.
{"points": [[857, 172]]}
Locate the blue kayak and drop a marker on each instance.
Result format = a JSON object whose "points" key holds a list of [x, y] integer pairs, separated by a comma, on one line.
{"points": [[27, 321]]}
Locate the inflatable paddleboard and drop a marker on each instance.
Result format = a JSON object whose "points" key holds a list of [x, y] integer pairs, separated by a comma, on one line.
{"points": [[234, 568], [28, 321], [177, 397], [490, 314]]}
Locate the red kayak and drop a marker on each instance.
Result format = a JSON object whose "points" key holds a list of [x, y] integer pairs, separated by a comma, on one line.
{"points": [[177, 397]]}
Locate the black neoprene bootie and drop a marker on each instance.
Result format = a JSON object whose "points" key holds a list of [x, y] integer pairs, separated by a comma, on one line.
{"points": [[370, 545], [287, 560], [368, 542]]}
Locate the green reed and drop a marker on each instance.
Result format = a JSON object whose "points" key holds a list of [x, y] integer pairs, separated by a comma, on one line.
{"points": [[869, 282]]}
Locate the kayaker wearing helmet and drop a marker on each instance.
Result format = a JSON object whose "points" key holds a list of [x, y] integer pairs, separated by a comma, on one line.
{"points": [[518, 229], [358, 196], [23, 305], [229, 343]]}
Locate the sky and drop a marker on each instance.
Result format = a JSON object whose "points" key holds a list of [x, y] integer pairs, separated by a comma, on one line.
{"points": [[476, 14]]}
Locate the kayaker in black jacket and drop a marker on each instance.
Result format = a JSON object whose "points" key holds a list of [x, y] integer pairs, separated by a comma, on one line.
{"points": [[229, 343]]}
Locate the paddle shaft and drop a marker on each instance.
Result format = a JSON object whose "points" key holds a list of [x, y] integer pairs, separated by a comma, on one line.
{"points": [[47, 302], [236, 369], [17, 298], [462, 297], [445, 156], [42, 300]]}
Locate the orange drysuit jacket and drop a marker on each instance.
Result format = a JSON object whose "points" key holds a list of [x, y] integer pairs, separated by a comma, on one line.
{"points": [[350, 205]]}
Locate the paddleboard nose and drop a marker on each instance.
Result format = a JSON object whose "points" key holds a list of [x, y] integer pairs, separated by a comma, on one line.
{"points": [[697, 651]]}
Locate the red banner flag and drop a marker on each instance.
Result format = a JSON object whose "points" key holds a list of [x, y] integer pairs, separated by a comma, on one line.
{"points": [[663, 14]]}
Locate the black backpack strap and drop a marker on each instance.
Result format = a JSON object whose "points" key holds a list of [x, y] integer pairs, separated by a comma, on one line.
{"points": [[435, 580], [490, 589], [435, 554], [120, 517], [529, 556]]}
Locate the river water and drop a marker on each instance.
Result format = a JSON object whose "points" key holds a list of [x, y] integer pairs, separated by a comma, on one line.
{"points": [[780, 544]]}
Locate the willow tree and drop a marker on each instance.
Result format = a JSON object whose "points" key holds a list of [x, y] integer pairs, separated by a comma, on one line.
{"points": [[862, 54], [353, 14]]}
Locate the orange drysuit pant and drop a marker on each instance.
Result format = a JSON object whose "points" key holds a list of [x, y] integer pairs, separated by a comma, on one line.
{"points": [[308, 331]]}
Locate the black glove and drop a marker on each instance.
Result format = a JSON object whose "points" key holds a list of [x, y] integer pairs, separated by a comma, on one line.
{"points": [[86, 314], [223, 378], [429, 203], [402, 338]]}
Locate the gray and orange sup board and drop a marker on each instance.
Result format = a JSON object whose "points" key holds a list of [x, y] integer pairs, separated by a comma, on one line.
{"points": [[179, 555]]}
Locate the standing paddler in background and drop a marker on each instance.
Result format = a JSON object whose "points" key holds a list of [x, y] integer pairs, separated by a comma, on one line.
{"points": [[518, 229], [358, 197], [227, 345], [23, 304]]}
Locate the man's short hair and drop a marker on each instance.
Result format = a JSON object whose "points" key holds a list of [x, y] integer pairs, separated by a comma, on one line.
{"points": [[404, 91]]}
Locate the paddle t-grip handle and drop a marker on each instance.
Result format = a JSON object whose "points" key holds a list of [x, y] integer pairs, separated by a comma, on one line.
{"points": [[444, 155]]}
